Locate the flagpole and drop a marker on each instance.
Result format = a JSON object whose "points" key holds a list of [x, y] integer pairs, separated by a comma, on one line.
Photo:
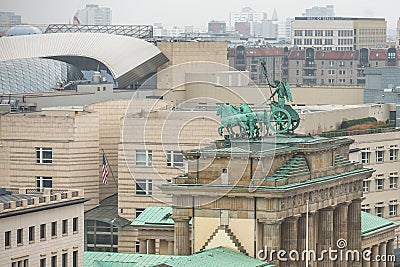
{"points": [[307, 252], [116, 184]]}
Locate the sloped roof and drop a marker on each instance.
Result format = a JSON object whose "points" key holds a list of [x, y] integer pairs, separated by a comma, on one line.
{"points": [[371, 224], [155, 215], [107, 212], [127, 58]]}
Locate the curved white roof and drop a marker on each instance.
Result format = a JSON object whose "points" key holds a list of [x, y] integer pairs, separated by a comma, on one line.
{"points": [[127, 58]]}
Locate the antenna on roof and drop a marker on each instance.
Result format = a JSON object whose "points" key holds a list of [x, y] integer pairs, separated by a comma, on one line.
{"points": [[98, 66]]}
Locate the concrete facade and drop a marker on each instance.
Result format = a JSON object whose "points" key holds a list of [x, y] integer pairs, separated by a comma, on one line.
{"points": [[43, 228]]}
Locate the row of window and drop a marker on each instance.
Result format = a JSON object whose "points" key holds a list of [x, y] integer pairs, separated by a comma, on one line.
{"points": [[331, 63], [380, 208], [379, 154], [313, 33], [42, 232], [145, 158], [64, 260], [380, 182]]}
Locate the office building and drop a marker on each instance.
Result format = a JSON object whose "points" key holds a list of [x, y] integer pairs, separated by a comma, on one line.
{"points": [[93, 15]]}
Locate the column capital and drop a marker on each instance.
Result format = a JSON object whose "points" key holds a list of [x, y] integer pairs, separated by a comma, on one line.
{"points": [[271, 221], [293, 218], [180, 218]]}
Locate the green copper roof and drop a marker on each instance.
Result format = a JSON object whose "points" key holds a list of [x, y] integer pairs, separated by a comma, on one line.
{"points": [[219, 256], [155, 215], [109, 259], [371, 224]]}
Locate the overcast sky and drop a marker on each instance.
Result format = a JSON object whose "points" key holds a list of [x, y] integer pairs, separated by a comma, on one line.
{"points": [[197, 13]]}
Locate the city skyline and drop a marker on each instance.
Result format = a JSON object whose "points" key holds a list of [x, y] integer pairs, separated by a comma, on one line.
{"points": [[180, 13]]}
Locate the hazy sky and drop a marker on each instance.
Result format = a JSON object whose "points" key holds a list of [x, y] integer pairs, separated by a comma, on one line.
{"points": [[197, 13]]}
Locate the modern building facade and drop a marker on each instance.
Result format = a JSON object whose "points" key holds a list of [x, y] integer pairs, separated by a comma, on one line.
{"points": [[41, 229], [8, 20], [338, 33], [93, 15]]}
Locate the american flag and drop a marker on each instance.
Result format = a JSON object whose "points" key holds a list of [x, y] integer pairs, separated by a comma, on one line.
{"points": [[104, 170]]}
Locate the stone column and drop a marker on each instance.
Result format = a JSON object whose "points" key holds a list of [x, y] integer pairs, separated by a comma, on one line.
{"points": [[366, 263], [390, 252], [151, 246], [142, 246], [272, 237], [289, 238], [325, 234], [382, 251], [354, 229], [301, 238], [340, 229], [375, 251], [301, 233], [170, 247], [181, 235]]}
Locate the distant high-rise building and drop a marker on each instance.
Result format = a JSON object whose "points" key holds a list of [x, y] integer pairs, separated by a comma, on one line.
{"points": [[320, 11], [398, 33], [93, 15], [246, 16], [7, 20], [216, 27]]}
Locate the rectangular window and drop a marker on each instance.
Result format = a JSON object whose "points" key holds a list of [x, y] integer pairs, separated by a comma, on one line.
{"points": [[75, 258], [43, 231], [365, 208], [7, 239], [43, 182], [379, 211], [365, 155], [331, 72], [75, 225], [331, 63], [174, 159], [43, 262], [379, 153], [64, 260], [54, 229], [44, 155], [308, 33], [54, 261], [20, 236], [144, 187], [393, 176], [393, 152], [137, 246], [366, 186], [329, 33], [319, 33], [144, 157], [65, 227], [31, 233], [298, 33], [393, 209], [138, 212], [379, 182]]}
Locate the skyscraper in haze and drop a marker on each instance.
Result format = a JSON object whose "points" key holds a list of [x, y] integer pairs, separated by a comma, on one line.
{"points": [[93, 15], [320, 11], [7, 20]]}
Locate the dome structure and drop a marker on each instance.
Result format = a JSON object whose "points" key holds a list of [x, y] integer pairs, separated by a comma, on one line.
{"points": [[23, 30]]}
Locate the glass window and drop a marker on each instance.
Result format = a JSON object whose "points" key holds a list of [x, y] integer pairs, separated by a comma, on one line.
{"points": [[393, 176], [43, 262], [144, 187], [44, 155], [54, 261], [379, 153], [31, 233], [393, 208], [379, 182], [54, 229], [64, 260], [65, 227], [138, 212], [75, 225], [365, 155], [43, 182], [42, 231], [379, 211], [7, 239], [144, 157], [75, 258], [174, 159], [20, 236], [366, 185], [298, 33], [393, 152]]}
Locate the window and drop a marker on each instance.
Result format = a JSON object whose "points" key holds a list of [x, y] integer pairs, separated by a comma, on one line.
{"points": [[7, 239], [366, 185], [366, 208], [75, 225], [43, 231], [298, 33], [329, 33], [31, 233], [144, 157], [20, 236], [393, 208], [75, 258], [174, 159], [20, 263], [43, 182], [144, 187], [393, 152], [331, 63], [342, 72], [137, 246], [331, 81], [379, 182], [365, 154], [138, 212], [54, 229], [379, 211], [64, 227], [319, 33], [43, 262], [331, 72], [44, 155], [64, 260], [308, 33], [379, 153], [54, 261], [393, 180], [341, 63]]}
